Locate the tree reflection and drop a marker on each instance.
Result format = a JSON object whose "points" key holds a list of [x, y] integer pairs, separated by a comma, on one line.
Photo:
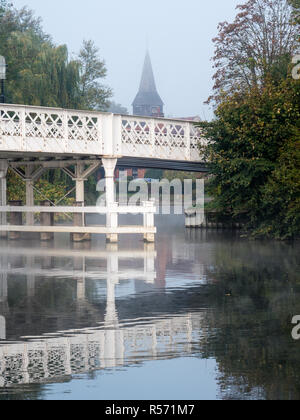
{"points": [[254, 291]]}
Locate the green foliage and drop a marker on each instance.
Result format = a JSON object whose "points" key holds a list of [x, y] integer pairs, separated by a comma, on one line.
{"points": [[281, 193], [93, 94], [116, 108], [254, 142], [16, 187], [38, 72], [253, 153], [41, 73], [154, 174], [258, 43], [296, 13], [181, 175], [45, 190]]}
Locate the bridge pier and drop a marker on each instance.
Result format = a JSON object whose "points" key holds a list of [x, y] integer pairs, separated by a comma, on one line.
{"points": [[3, 195], [47, 219], [32, 174], [80, 176], [29, 194], [109, 164], [79, 219]]}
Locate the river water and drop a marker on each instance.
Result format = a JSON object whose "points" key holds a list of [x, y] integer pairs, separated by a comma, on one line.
{"points": [[200, 315]]}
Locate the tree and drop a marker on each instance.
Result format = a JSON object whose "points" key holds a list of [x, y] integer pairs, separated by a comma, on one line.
{"points": [[40, 73], [3, 6], [260, 41], [254, 147], [254, 155], [296, 11], [23, 20], [117, 108], [94, 95]]}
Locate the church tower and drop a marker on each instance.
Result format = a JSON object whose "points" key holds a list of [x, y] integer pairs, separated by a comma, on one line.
{"points": [[147, 102]]}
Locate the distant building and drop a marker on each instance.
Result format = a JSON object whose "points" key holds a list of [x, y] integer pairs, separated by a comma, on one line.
{"points": [[147, 102], [131, 172]]}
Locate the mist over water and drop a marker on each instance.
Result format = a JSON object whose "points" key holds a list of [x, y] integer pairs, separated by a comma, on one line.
{"points": [[205, 311]]}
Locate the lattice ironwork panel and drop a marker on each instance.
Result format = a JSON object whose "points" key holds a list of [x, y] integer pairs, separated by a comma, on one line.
{"points": [[37, 369], [161, 139], [14, 372], [57, 361], [10, 123], [44, 125], [50, 130], [136, 137], [10, 129], [83, 128], [196, 141], [171, 140], [87, 350]]}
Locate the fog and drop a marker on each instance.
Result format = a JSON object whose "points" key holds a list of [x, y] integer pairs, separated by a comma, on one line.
{"points": [[177, 33]]}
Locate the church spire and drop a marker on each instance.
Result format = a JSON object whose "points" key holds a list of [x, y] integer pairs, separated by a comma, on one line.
{"points": [[148, 81], [148, 101]]}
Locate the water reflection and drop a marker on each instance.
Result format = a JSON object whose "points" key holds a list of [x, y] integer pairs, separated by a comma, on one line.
{"points": [[66, 311], [36, 359]]}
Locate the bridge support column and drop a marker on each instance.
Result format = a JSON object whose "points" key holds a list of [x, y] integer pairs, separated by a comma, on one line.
{"points": [[29, 201], [3, 198], [79, 219], [31, 175], [80, 182], [109, 165], [81, 175], [47, 219]]}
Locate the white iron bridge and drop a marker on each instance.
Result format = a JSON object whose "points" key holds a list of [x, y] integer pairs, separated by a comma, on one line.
{"points": [[42, 132], [36, 139]]}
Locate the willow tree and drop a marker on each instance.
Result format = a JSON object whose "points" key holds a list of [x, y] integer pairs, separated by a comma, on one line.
{"points": [[38, 73], [41, 73]]}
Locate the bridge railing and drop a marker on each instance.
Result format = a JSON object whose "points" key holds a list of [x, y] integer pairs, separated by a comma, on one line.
{"points": [[51, 130], [59, 131], [112, 227], [161, 138], [40, 359]]}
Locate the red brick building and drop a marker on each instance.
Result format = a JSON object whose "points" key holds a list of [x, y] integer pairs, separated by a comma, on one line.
{"points": [[131, 172]]}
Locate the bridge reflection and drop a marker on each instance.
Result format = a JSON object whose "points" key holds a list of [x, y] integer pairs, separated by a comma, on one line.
{"points": [[63, 350]]}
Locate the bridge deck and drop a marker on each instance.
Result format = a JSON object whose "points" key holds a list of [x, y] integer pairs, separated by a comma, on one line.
{"points": [[40, 131]]}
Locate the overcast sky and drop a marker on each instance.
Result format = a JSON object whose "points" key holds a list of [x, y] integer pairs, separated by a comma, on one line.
{"points": [[178, 32]]}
